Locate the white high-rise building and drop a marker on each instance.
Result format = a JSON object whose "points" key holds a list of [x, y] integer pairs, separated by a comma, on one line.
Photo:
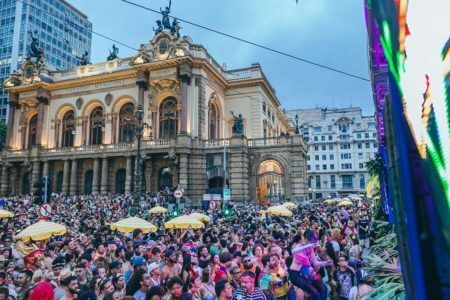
{"points": [[340, 142]]}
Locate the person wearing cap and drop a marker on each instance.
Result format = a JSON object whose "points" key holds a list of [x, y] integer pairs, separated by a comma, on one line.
{"points": [[68, 286], [139, 263], [155, 274]]}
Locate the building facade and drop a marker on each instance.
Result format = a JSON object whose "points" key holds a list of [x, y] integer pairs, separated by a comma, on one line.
{"points": [[64, 32], [340, 142], [77, 126]]}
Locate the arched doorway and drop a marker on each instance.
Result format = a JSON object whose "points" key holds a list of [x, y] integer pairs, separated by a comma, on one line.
{"points": [[59, 181], [270, 182], [26, 183], [165, 178], [120, 181], [88, 180]]}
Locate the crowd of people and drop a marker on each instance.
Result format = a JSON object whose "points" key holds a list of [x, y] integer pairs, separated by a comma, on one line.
{"points": [[318, 253]]}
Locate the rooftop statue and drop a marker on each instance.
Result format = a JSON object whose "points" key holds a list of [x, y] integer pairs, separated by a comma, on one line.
{"points": [[84, 59], [165, 16], [36, 54], [238, 125], [159, 28], [113, 54]]}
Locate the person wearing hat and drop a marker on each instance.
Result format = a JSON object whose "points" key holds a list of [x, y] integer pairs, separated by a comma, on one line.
{"points": [[69, 285], [155, 274], [139, 263]]}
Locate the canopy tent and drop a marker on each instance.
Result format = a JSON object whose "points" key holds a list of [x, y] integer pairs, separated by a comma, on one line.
{"points": [[41, 230], [201, 217], [183, 222], [289, 205], [130, 224], [279, 210], [345, 203], [158, 210], [6, 214]]}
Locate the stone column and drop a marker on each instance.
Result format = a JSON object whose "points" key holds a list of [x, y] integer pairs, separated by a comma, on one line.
{"points": [[185, 78], [142, 83], [104, 179], [238, 166], [23, 132], [43, 97], [129, 174], [74, 177], [14, 187], [13, 105], [65, 185], [57, 142], [202, 109], [83, 131], [183, 172], [46, 169], [148, 174], [35, 175], [154, 117], [5, 180], [95, 176]]}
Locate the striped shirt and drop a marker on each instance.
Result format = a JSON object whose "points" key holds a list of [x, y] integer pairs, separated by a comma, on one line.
{"points": [[256, 295]]}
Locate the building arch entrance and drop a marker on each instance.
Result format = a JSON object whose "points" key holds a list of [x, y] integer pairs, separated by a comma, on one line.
{"points": [[270, 182]]}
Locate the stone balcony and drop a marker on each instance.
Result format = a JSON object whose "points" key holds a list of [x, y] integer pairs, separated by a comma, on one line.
{"points": [[147, 146]]}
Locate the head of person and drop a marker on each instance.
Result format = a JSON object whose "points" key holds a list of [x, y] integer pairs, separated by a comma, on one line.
{"points": [[265, 260], [248, 282], [236, 273], [41, 291], [170, 256], [139, 263], [223, 289], [139, 280], [58, 264], [208, 275], [115, 267], [226, 259], [274, 260], [175, 287], [80, 271], [155, 293], [118, 280], [24, 278], [258, 250], [311, 236], [138, 234], [105, 286], [71, 284], [154, 269], [247, 261], [203, 251], [343, 261]]}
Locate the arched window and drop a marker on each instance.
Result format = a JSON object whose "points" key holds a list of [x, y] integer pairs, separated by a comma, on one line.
{"points": [[126, 122], [168, 123], [270, 181], [68, 129], [120, 181], [32, 131], [97, 124], [213, 117]]}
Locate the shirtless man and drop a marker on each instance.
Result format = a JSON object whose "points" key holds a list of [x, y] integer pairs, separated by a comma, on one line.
{"points": [[171, 269]]}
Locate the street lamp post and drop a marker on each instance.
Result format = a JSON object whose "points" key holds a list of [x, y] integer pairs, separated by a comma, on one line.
{"points": [[139, 127]]}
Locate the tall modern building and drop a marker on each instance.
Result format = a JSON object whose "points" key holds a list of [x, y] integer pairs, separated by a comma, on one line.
{"points": [[340, 142], [64, 33]]}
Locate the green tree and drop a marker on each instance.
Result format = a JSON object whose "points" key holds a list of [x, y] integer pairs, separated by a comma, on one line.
{"points": [[375, 165], [3, 129]]}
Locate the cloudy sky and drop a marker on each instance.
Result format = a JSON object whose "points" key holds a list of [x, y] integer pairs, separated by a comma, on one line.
{"points": [[328, 32]]}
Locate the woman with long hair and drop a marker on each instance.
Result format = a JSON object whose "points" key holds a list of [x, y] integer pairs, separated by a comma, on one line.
{"points": [[207, 288], [138, 284]]}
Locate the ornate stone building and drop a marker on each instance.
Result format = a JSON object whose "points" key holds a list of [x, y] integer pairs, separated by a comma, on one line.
{"points": [[77, 126]]}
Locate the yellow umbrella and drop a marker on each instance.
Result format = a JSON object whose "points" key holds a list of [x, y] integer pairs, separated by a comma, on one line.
{"points": [[183, 222], [130, 224], [289, 205], [6, 214], [201, 217], [345, 203], [158, 210], [41, 230], [329, 201], [279, 210]]}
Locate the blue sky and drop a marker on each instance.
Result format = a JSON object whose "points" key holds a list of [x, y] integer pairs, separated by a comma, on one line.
{"points": [[329, 32]]}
